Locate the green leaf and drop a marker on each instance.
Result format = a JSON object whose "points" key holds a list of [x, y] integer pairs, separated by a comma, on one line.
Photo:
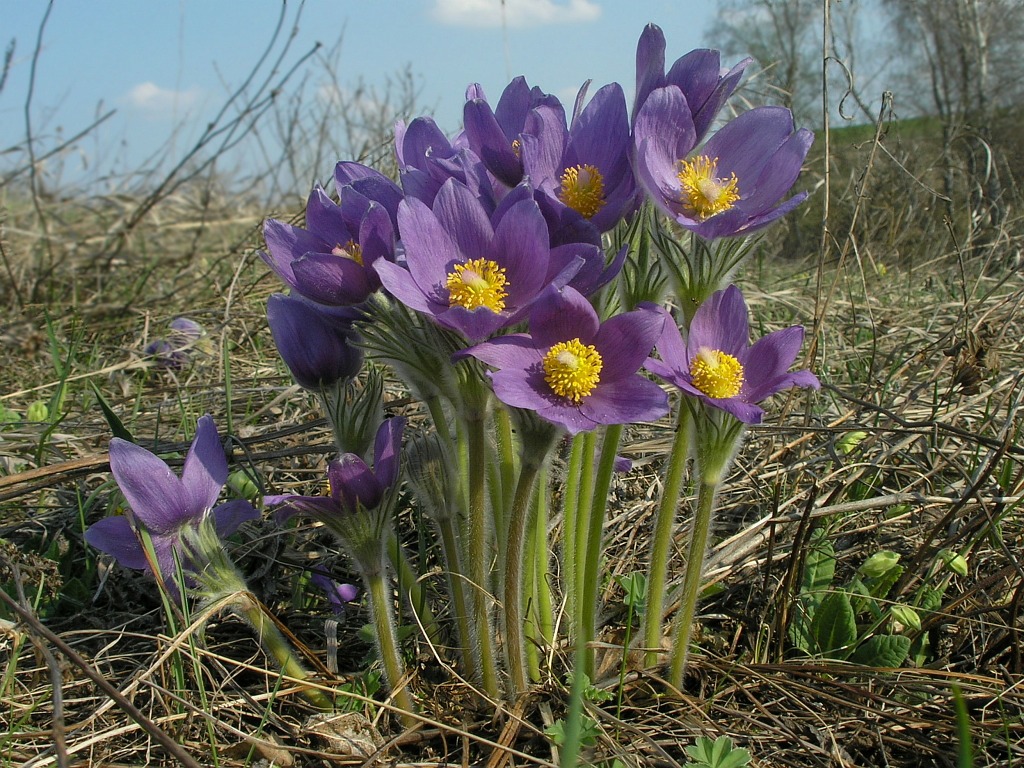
{"points": [[879, 564], [819, 565], [906, 616], [880, 586], [117, 428], [635, 587], [849, 441], [882, 651], [953, 561], [720, 753], [834, 626]]}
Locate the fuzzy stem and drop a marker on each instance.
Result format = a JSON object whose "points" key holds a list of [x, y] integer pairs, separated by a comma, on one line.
{"points": [[278, 647], [409, 585], [664, 522], [519, 520], [387, 643], [456, 580], [582, 528], [570, 513], [542, 588], [699, 533], [478, 554], [592, 566]]}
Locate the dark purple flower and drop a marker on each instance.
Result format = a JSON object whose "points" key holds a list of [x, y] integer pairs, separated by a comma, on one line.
{"points": [[371, 184], [698, 74], [164, 505], [735, 183], [573, 370], [717, 363], [585, 168], [332, 260], [353, 486], [468, 273], [338, 593], [494, 135], [316, 343]]}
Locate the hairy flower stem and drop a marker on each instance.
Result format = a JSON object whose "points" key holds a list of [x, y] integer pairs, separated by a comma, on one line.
{"points": [[519, 523], [581, 526], [664, 522], [543, 607], [479, 556], [592, 565], [275, 644], [456, 581], [570, 515], [410, 586], [387, 642], [697, 548]]}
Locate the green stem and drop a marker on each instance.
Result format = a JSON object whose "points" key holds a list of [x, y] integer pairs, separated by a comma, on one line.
{"points": [[276, 645], [409, 585], [584, 501], [518, 525], [570, 513], [387, 643], [696, 550], [479, 554], [456, 580], [664, 522], [542, 587], [591, 570]]}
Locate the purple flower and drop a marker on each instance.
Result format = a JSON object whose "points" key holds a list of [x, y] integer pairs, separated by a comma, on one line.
{"points": [[164, 505], [338, 593], [468, 273], [353, 485], [172, 350], [698, 74], [316, 343], [717, 363], [585, 168], [734, 184], [427, 159], [573, 370], [332, 260], [494, 135]]}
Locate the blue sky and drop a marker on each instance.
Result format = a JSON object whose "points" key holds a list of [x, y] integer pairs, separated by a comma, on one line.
{"points": [[159, 62]]}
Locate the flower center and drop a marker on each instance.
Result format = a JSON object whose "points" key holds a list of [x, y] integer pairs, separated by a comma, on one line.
{"points": [[716, 374], [702, 191], [350, 250], [583, 189], [477, 283], [517, 148], [572, 369]]}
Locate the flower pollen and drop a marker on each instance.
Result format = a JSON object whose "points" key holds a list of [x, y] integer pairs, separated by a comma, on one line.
{"points": [[477, 283], [702, 191], [350, 250], [572, 369], [583, 190], [716, 374]]}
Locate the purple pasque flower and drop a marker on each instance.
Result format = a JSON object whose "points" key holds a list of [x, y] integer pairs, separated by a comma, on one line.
{"points": [[427, 159], [165, 505], [698, 74], [171, 351], [316, 343], [339, 594], [735, 183], [353, 486], [584, 168], [467, 272], [494, 135], [332, 260], [717, 364], [371, 184], [572, 369]]}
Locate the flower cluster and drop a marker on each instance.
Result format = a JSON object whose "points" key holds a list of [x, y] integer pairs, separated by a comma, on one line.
{"points": [[497, 277]]}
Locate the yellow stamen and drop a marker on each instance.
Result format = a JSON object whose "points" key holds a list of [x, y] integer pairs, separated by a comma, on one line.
{"points": [[517, 147], [477, 283], [583, 189], [350, 250], [702, 191], [716, 373], [572, 369]]}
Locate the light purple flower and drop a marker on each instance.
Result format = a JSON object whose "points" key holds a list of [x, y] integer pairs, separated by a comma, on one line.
{"points": [[332, 261], [573, 370], [466, 272], [717, 363], [172, 350], [735, 183], [585, 168], [164, 505], [339, 594], [698, 74], [495, 135]]}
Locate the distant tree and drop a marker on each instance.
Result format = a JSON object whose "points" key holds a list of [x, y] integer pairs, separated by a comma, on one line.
{"points": [[969, 55]]}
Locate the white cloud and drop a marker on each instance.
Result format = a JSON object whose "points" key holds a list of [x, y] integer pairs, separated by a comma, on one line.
{"points": [[150, 97], [514, 13]]}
